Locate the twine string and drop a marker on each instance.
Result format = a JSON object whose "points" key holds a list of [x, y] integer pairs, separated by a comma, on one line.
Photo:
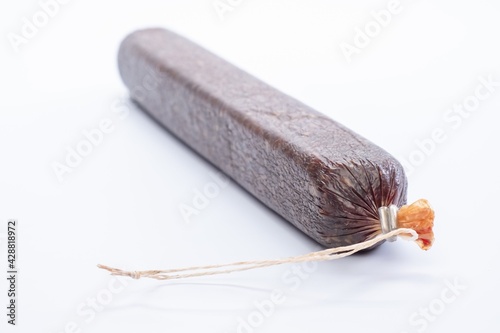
{"points": [[323, 255]]}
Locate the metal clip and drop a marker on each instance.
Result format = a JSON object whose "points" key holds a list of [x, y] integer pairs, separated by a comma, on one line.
{"points": [[388, 219]]}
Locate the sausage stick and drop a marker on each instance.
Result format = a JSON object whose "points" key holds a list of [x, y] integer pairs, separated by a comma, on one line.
{"points": [[326, 180]]}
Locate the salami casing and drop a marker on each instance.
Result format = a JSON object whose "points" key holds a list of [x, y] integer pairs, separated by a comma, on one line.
{"points": [[320, 176]]}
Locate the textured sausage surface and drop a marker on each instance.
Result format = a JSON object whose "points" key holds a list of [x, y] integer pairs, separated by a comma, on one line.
{"points": [[323, 178]]}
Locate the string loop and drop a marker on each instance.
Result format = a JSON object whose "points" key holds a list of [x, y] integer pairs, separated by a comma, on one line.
{"points": [[323, 255]]}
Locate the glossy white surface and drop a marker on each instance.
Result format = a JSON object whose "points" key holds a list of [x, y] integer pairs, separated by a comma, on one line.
{"points": [[120, 205]]}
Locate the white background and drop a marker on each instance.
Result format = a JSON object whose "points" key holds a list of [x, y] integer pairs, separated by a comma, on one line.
{"points": [[120, 206]]}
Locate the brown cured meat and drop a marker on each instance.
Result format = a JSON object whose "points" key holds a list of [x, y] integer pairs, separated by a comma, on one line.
{"points": [[323, 178]]}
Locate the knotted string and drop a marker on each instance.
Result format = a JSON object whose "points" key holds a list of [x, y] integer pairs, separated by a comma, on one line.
{"points": [[323, 255], [413, 222]]}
